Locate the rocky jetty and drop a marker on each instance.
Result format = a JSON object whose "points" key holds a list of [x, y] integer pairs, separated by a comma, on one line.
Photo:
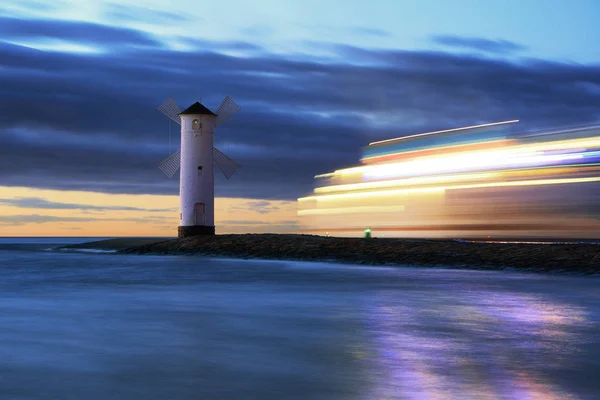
{"points": [[572, 258]]}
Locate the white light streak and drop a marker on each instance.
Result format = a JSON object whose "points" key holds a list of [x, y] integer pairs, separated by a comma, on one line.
{"points": [[444, 131]]}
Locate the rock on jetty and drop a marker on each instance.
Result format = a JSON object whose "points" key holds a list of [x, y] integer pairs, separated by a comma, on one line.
{"points": [[574, 258]]}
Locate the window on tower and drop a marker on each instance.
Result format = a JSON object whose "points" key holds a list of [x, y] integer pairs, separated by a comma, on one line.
{"points": [[195, 124], [199, 170]]}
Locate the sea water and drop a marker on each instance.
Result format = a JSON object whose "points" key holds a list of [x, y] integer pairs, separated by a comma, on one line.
{"points": [[105, 326]]}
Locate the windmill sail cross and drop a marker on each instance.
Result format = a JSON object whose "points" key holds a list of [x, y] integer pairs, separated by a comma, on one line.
{"points": [[197, 178]]}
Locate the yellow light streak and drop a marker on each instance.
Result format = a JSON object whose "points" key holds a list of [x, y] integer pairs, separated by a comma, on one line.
{"points": [[372, 194], [325, 175], [445, 188], [444, 131], [566, 144], [351, 210], [407, 182]]}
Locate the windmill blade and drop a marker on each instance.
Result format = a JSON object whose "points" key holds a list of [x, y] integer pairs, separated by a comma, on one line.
{"points": [[170, 109], [226, 110], [225, 164], [171, 164]]}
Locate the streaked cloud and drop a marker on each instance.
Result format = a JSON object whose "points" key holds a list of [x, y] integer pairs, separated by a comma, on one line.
{"points": [[300, 117], [40, 30], [242, 222], [75, 120], [365, 31], [290, 223], [28, 6], [258, 207], [131, 13], [258, 30], [54, 212], [21, 219], [474, 43], [40, 203]]}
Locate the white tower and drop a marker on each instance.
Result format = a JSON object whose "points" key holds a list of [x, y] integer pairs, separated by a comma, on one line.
{"points": [[196, 157], [196, 179]]}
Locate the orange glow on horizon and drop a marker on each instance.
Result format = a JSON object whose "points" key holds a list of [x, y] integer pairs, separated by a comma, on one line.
{"points": [[113, 215]]}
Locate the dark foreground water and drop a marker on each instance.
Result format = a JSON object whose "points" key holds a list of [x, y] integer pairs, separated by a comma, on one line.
{"points": [[104, 326]]}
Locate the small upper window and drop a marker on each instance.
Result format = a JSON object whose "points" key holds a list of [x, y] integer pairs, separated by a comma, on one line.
{"points": [[195, 124]]}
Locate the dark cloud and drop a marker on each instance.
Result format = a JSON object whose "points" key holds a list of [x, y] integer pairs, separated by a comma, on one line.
{"points": [[85, 122], [480, 44], [71, 31], [129, 13], [38, 202]]}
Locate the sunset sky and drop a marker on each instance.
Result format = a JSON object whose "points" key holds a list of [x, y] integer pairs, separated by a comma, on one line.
{"points": [[80, 80]]}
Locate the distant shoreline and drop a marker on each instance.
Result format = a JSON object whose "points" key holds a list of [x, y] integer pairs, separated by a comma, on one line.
{"points": [[117, 243], [580, 258]]}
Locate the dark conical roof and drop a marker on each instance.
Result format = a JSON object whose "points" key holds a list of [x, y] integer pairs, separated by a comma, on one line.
{"points": [[197, 108]]}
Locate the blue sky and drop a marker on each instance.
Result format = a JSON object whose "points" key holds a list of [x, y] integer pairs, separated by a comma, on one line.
{"points": [[316, 80], [551, 29]]}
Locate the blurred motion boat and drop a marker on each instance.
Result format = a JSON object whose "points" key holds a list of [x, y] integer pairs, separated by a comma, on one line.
{"points": [[475, 182]]}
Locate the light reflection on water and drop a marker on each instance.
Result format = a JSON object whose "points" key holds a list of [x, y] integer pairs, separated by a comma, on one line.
{"points": [[88, 326], [473, 345]]}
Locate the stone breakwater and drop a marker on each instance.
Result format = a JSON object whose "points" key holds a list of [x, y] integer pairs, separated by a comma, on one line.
{"points": [[573, 258]]}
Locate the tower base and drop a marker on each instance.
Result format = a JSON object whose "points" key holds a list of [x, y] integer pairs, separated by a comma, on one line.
{"points": [[195, 230]]}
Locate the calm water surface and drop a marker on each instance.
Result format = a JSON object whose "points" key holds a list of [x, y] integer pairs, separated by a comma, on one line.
{"points": [[105, 326]]}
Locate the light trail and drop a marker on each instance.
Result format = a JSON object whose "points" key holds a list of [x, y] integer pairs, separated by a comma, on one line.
{"points": [[444, 131], [456, 187], [510, 152], [485, 179], [406, 182]]}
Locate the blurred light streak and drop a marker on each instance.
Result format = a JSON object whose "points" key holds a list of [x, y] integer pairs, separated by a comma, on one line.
{"points": [[344, 210], [470, 159], [408, 181], [431, 151], [325, 175], [444, 131], [456, 187], [480, 182], [379, 193]]}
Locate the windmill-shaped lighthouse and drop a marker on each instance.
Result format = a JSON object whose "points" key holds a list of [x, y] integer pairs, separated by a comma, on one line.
{"points": [[196, 158]]}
